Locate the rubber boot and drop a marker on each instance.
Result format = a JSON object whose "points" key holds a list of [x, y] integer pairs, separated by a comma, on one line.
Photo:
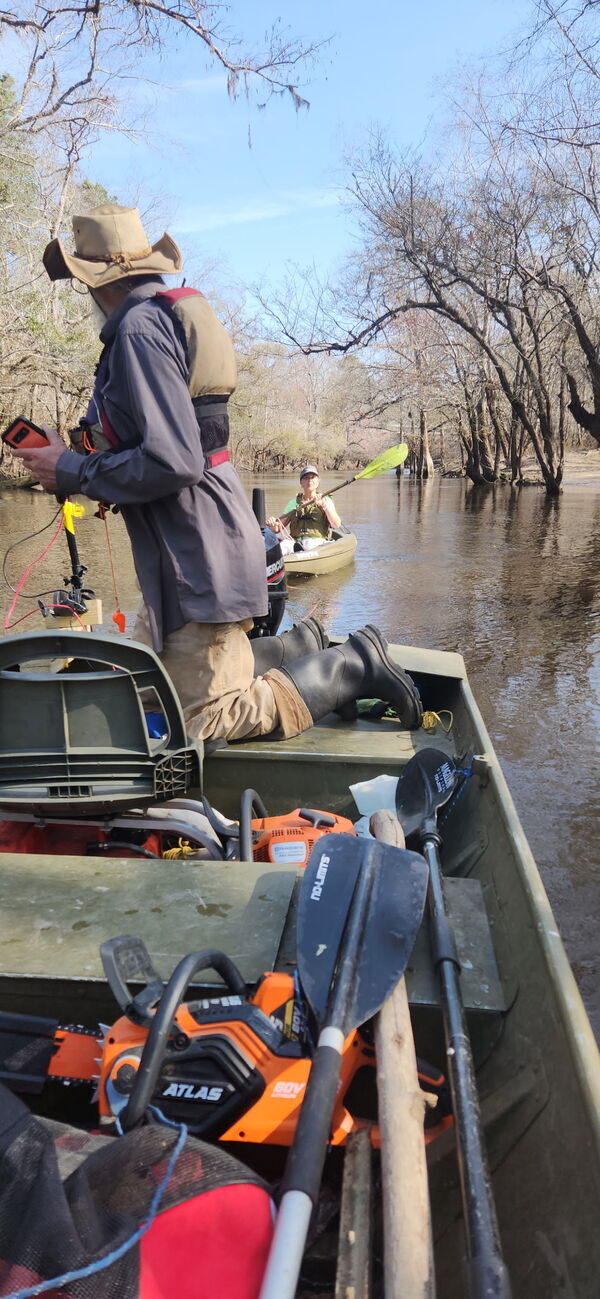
{"points": [[358, 669], [276, 651]]}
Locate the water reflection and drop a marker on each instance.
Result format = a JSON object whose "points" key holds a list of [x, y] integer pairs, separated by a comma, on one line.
{"points": [[510, 579]]}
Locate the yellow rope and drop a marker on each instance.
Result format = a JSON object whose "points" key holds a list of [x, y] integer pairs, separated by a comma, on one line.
{"points": [[183, 849], [431, 719]]}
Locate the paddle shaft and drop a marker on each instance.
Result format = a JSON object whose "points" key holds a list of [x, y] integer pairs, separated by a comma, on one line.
{"points": [[488, 1276], [307, 1154], [340, 485], [380, 465]]}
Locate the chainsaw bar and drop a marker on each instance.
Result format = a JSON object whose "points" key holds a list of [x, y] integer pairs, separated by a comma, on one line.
{"points": [[77, 1054]]}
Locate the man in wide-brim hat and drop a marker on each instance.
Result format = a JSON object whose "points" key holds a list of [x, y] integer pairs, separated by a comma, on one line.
{"points": [[159, 430]]}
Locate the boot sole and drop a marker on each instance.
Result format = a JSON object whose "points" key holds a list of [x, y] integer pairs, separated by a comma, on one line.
{"points": [[318, 632]]}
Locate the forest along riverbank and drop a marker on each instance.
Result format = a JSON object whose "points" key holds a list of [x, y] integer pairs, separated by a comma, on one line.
{"points": [[511, 579]]}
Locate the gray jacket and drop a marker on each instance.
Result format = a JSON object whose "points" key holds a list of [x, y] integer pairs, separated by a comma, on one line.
{"points": [[198, 551]]}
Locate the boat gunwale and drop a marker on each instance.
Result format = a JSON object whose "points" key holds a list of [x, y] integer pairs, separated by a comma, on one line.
{"points": [[575, 1024]]}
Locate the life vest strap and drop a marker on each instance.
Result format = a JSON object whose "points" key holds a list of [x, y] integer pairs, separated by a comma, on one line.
{"points": [[209, 408], [217, 458]]}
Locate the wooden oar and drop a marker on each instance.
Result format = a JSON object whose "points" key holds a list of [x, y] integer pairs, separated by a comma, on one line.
{"points": [[426, 784], [359, 911], [407, 1241]]}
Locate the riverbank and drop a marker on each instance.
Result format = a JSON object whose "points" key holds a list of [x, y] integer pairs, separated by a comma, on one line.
{"points": [[582, 469]]}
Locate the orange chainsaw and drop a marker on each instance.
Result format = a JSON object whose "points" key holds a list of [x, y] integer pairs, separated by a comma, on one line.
{"points": [[231, 1067], [287, 839]]}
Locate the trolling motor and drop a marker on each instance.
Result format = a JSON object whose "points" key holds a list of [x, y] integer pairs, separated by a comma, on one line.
{"points": [[268, 624], [23, 433], [74, 599]]}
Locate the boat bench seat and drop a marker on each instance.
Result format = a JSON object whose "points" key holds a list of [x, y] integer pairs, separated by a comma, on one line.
{"points": [[56, 911]]}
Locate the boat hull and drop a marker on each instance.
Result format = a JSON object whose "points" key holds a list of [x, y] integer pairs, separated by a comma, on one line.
{"points": [[537, 1066], [323, 559]]}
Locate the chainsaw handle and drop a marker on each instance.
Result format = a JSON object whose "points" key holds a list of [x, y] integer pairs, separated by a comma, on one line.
{"points": [[125, 960], [250, 803], [155, 1046], [316, 819], [225, 829]]}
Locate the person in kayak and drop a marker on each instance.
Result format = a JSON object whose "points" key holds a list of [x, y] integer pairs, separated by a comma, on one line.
{"points": [[308, 517], [158, 428]]}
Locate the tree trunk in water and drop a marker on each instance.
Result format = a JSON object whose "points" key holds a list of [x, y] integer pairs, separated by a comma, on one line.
{"points": [[425, 462], [586, 419], [486, 464], [472, 449], [501, 450]]}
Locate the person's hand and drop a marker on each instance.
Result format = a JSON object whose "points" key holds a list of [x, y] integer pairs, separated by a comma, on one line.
{"points": [[42, 461], [274, 524]]}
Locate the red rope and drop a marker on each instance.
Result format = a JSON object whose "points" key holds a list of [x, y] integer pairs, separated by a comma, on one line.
{"points": [[65, 608], [67, 612], [19, 587]]}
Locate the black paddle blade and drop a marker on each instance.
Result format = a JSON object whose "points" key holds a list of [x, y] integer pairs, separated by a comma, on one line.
{"points": [[393, 912], [426, 783]]}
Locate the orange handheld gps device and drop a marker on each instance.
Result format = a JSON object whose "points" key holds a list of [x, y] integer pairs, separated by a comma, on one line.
{"points": [[23, 434]]}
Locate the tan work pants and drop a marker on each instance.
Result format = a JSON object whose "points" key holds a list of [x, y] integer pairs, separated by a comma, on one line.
{"points": [[211, 666]]}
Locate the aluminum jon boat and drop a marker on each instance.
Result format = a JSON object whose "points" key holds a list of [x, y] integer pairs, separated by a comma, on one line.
{"points": [[332, 555], [536, 1062]]}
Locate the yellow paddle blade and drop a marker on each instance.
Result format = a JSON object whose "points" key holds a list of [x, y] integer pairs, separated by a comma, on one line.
{"points": [[387, 460]]}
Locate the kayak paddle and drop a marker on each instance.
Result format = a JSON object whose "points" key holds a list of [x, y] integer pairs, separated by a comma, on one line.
{"points": [[380, 465], [426, 784], [360, 907]]}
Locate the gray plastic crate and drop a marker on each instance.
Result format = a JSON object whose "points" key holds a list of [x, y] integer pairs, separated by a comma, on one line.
{"points": [[77, 741]]}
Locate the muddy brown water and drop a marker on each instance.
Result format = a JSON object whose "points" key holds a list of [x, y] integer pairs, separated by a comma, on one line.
{"points": [[509, 579]]}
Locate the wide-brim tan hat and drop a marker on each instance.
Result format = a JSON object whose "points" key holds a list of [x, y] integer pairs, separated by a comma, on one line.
{"points": [[110, 244]]}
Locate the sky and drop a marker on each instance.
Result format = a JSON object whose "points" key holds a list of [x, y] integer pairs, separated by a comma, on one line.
{"points": [[248, 191]]}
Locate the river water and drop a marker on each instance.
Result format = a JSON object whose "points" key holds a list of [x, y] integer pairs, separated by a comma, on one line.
{"points": [[509, 579]]}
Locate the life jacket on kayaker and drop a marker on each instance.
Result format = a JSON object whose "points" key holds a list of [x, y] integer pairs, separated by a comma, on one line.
{"points": [[212, 377], [309, 520], [307, 514]]}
